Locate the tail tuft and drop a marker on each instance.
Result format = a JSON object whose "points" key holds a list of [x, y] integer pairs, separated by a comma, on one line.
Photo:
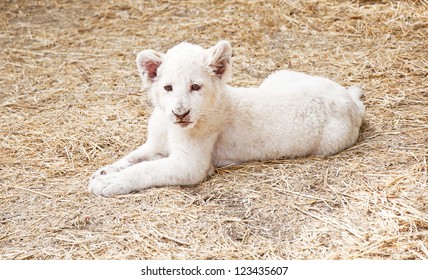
{"points": [[355, 92]]}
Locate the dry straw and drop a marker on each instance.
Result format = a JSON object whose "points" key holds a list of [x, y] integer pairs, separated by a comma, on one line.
{"points": [[70, 102]]}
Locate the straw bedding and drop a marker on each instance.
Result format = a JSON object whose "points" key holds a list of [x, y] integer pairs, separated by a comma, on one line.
{"points": [[70, 102]]}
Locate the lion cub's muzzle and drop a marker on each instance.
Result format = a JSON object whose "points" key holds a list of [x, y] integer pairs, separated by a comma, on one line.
{"points": [[182, 119]]}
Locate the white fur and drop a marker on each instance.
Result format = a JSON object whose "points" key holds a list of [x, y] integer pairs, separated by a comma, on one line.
{"points": [[191, 131]]}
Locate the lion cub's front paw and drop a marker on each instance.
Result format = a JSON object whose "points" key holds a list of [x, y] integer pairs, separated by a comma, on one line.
{"points": [[109, 185], [110, 169]]}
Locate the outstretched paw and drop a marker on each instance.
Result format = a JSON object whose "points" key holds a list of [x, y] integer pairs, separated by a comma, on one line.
{"points": [[111, 169], [109, 185]]}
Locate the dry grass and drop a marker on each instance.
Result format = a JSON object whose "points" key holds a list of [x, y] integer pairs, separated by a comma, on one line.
{"points": [[70, 102]]}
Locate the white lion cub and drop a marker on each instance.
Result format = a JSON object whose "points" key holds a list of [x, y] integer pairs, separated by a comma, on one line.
{"points": [[199, 122]]}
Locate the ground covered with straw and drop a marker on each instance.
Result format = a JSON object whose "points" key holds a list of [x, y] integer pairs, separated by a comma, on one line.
{"points": [[70, 102]]}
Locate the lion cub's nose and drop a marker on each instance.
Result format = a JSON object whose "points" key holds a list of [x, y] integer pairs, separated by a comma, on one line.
{"points": [[181, 116]]}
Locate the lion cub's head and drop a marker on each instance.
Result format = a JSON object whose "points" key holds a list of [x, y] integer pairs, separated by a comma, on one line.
{"points": [[187, 81]]}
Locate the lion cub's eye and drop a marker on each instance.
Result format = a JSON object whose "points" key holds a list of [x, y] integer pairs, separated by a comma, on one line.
{"points": [[167, 88], [195, 87]]}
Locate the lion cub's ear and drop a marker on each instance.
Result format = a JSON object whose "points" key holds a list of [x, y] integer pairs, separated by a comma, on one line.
{"points": [[220, 60], [148, 62]]}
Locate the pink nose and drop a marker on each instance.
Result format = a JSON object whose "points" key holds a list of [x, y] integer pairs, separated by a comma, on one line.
{"points": [[181, 116]]}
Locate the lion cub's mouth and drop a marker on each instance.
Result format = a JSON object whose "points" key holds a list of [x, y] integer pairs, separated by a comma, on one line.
{"points": [[183, 123]]}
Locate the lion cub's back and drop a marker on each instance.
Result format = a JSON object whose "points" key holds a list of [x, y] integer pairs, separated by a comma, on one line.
{"points": [[285, 117]]}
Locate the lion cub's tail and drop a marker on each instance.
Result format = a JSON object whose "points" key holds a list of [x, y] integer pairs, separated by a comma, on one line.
{"points": [[355, 92]]}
